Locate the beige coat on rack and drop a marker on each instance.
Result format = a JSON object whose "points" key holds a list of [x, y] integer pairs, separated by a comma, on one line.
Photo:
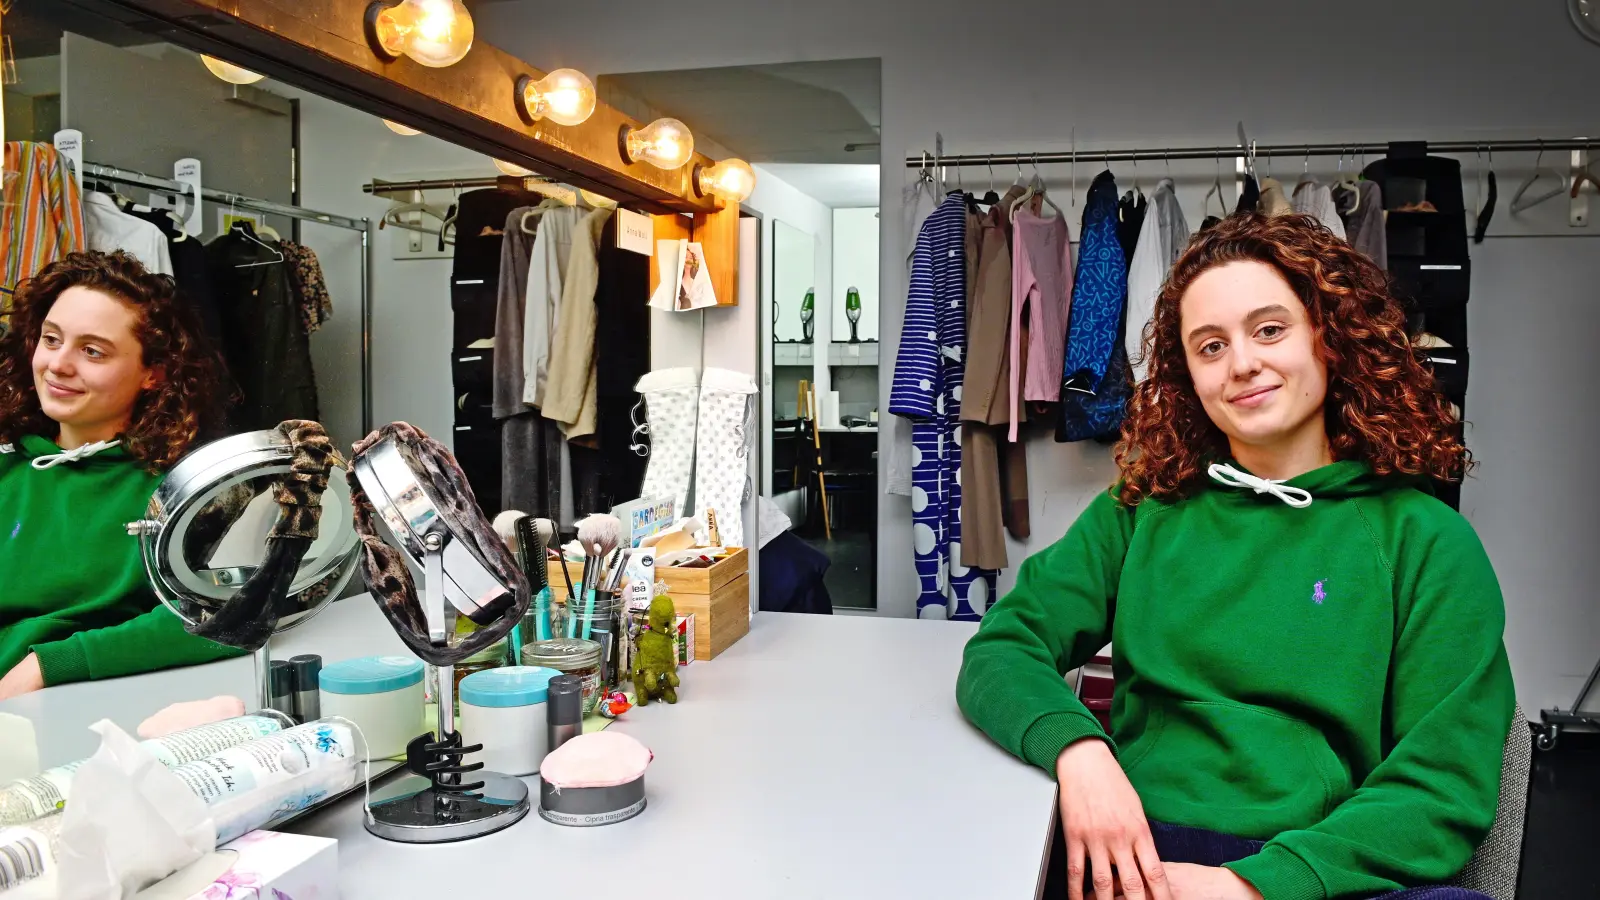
{"points": [[570, 388]]}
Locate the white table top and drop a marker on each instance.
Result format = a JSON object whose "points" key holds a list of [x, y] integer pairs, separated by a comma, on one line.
{"points": [[820, 756]]}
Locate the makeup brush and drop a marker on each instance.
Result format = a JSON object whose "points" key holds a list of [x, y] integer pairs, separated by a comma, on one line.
{"points": [[599, 534], [532, 537]]}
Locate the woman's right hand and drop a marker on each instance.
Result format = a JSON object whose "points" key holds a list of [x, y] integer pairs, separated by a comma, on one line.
{"points": [[1105, 826]]}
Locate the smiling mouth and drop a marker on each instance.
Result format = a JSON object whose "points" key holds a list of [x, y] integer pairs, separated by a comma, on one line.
{"points": [[60, 390], [1253, 396]]}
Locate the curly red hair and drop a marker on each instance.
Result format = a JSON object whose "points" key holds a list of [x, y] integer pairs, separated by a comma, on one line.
{"points": [[1382, 406], [166, 419]]}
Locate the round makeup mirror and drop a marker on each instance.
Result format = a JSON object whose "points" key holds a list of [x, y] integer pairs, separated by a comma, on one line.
{"points": [[209, 529]]}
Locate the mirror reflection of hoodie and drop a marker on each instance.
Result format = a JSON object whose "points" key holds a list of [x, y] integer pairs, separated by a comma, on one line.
{"points": [[1316, 663], [73, 588]]}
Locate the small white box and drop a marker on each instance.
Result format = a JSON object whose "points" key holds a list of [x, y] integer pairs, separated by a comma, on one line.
{"points": [[271, 864]]}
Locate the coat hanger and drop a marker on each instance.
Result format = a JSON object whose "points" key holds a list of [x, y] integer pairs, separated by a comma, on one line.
{"points": [[1044, 192], [243, 230], [1582, 175], [1215, 190], [1073, 197], [1518, 203], [1305, 170], [392, 214], [1033, 188]]}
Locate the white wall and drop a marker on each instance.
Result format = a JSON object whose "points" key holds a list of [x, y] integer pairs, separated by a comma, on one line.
{"points": [[1181, 73]]}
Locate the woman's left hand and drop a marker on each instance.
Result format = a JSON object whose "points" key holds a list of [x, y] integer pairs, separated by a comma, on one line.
{"points": [[24, 678], [1190, 882]]}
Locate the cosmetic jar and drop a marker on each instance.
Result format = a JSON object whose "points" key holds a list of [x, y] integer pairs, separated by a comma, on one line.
{"points": [[382, 695], [594, 779], [504, 710], [569, 656]]}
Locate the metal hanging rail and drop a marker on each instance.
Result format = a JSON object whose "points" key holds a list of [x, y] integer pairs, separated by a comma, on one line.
{"points": [[269, 207], [237, 201], [379, 186], [1271, 151]]}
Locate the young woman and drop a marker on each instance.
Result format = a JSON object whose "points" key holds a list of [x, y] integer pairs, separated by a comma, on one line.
{"points": [[1312, 693], [103, 378]]}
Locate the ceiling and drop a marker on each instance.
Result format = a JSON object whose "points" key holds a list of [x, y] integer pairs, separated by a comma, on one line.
{"points": [[805, 112], [839, 186]]}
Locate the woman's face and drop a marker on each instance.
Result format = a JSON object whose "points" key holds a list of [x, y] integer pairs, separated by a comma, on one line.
{"points": [[1251, 351], [89, 367]]}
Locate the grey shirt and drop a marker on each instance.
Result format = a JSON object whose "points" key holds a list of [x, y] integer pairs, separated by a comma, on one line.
{"points": [[515, 251]]}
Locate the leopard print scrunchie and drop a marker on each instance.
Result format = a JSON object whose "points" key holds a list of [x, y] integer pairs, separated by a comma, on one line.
{"points": [[248, 618], [384, 567]]}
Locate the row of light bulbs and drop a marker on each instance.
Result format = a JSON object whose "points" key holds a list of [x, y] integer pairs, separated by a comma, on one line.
{"points": [[438, 33]]}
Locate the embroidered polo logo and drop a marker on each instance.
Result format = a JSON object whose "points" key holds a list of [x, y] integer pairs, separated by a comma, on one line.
{"points": [[1319, 591]]}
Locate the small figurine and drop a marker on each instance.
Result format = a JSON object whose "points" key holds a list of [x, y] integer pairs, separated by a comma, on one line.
{"points": [[655, 673]]}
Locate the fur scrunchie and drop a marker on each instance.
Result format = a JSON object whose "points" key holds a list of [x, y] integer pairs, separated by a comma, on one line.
{"points": [[384, 567], [248, 618]]}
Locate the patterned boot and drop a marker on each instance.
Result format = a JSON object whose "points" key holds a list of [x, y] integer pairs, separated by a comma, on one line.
{"points": [[722, 450], [670, 397]]}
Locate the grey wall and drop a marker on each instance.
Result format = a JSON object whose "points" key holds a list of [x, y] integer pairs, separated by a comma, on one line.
{"points": [[1181, 73]]}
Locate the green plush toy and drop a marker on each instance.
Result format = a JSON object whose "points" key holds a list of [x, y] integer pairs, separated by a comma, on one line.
{"points": [[655, 674]]}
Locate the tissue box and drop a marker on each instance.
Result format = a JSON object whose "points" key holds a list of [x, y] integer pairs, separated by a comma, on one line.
{"points": [[273, 865]]}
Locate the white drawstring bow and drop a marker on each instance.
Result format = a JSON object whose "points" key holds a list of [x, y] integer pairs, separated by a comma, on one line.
{"points": [[1298, 498], [51, 460]]}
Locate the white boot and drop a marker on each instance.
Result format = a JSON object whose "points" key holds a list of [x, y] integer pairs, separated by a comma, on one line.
{"points": [[722, 450], [670, 398]]}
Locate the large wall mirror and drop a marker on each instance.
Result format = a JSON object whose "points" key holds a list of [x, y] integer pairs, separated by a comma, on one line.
{"points": [[811, 130]]}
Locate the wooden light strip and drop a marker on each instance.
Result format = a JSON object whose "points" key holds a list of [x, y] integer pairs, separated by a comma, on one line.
{"points": [[320, 45]]}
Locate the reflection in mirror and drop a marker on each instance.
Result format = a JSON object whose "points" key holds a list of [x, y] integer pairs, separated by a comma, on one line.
{"points": [[811, 130]]}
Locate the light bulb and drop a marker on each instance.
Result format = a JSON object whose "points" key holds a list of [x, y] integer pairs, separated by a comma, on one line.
{"points": [[565, 97], [229, 72], [664, 143], [512, 169], [435, 33], [732, 179], [399, 129]]}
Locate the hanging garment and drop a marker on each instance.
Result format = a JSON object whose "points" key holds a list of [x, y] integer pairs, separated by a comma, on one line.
{"points": [[264, 339], [1041, 292], [723, 438], [189, 270], [1274, 202], [1092, 384], [1364, 225], [1249, 196], [530, 445], [1481, 228], [474, 301], [926, 389], [1315, 200], [622, 339], [918, 200], [552, 251], [985, 391], [40, 214], [570, 395], [671, 399], [305, 275], [107, 228], [1160, 243], [1131, 211]]}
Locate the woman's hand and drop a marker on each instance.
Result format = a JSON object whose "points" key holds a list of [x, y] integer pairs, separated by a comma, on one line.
{"points": [[24, 678], [1205, 883], [1105, 826]]}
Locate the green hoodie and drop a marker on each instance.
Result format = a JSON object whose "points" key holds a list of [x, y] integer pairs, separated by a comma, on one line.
{"points": [[1330, 679], [74, 586]]}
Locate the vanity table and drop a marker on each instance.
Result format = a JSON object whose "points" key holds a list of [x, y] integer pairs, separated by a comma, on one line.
{"points": [[779, 774]]}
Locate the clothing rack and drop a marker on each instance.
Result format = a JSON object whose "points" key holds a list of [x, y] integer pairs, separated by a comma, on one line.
{"points": [[1243, 151], [269, 207]]}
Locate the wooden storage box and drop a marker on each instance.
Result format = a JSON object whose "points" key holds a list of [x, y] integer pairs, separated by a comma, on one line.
{"points": [[718, 596]]}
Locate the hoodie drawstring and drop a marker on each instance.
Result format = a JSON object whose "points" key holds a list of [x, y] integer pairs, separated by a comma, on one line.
{"points": [[51, 460], [1298, 498]]}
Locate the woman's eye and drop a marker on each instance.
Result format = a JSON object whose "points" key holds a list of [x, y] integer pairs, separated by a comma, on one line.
{"points": [[51, 341], [93, 353], [1271, 331], [1211, 348]]}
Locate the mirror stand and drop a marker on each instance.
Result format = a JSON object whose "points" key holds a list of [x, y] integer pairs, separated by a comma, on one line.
{"points": [[434, 805]]}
